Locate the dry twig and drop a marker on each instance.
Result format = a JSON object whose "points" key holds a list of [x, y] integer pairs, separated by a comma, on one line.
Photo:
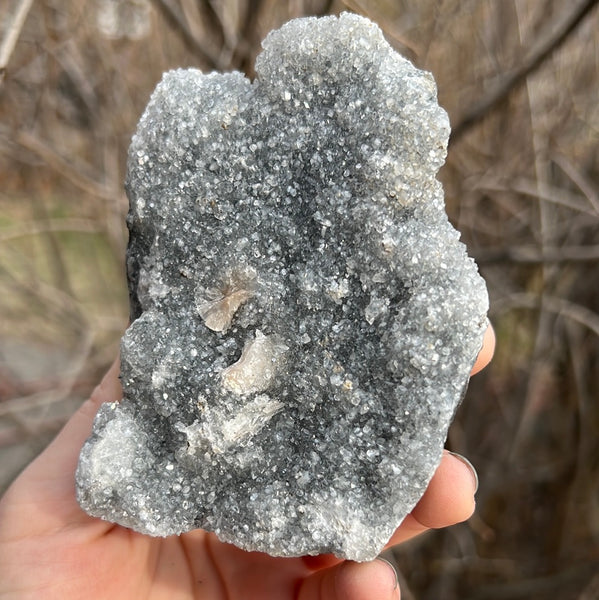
{"points": [[176, 20], [76, 174], [531, 62], [12, 35]]}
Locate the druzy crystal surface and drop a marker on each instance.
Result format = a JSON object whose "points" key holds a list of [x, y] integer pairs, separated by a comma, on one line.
{"points": [[304, 317]]}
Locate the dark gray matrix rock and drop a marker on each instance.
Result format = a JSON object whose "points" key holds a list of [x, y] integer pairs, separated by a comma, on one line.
{"points": [[304, 316]]}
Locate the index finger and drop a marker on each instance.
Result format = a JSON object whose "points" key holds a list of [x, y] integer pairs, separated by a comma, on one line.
{"points": [[486, 352]]}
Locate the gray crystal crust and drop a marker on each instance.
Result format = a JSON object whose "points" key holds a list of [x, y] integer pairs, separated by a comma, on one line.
{"points": [[304, 316]]}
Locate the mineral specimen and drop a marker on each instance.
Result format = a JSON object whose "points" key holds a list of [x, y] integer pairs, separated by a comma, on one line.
{"points": [[304, 317]]}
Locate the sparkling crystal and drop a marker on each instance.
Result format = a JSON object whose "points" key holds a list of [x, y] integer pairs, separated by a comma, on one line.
{"points": [[304, 317]]}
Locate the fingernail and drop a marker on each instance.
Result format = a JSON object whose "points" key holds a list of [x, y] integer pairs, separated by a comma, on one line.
{"points": [[470, 466], [390, 564]]}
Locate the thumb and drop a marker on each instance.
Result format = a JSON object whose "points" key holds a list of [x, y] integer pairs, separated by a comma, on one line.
{"points": [[375, 580], [60, 457], [45, 491]]}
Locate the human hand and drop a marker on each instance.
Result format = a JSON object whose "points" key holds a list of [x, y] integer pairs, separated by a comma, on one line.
{"points": [[51, 549]]}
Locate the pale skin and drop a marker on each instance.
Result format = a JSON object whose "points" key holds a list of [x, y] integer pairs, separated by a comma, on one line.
{"points": [[49, 548]]}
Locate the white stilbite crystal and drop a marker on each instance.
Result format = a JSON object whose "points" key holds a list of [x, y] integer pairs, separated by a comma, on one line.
{"points": [[260, 360], [219, 309], [221, 431], [304, 317]]}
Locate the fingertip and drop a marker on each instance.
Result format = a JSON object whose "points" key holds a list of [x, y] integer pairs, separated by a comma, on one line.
{"points": [[469, 466], [449, 498], [392, 570], [109, 389], [63, 451], [366, 581], [486, 352], [375, 580]]}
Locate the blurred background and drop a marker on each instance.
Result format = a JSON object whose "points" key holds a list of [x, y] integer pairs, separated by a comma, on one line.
{"points": [[519, 79]]}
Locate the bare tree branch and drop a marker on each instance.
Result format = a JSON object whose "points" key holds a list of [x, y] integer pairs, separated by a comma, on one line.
{"points": [[12, 35], [28, 228], [532, 255], [74, 173], [325, 9], [528, 187], [213, 19], [535, 58], [534, 586], [560, 306], [175, 19], [247, 37], [579, 179]]}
